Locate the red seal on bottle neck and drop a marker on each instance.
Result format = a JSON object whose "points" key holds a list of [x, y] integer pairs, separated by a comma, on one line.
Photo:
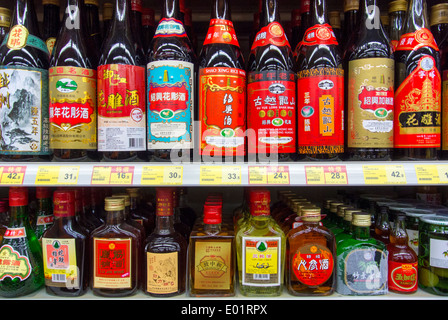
{"points": [[212, 213], [18, 196], [64, 203]]}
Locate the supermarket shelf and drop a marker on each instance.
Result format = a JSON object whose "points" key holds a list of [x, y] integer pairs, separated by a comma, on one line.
{"points": [[234, 174]]}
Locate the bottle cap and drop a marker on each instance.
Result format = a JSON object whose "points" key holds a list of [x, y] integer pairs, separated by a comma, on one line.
{"points": [[18, 196], [439, 14], [334, 206], [350, 5], [341, 210], [125, 196], [43, 192], [384, 19], [91, 2], [311, 214], [305, 6], [148, 17], [53, 2], [5, 17], [361, 219], [306, 207], [64, 203], [335, 19], [136, 5], [348, 214], [164, 201], [133, 192], [259, 200], [212, 213], [296, 17], [398, 5], [108, 10], [113, 204]]}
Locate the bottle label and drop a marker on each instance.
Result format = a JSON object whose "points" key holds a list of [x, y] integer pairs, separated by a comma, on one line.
{"points": [[273, 34], [60, 266], [19, 37], [445, 110], [24, 110], [271, 97], [213, 265], [319, 34], [73, 108], [221, 31], [261, 265], [370, 118], [403, 276], [162, 272], [222, 112], [416, 40], [413, 239], [437, 253], [13, 265], [136, 5], [313, 264], [170, 104], [320, 108], [362, 271], [15, 233], [112, 261], [121, 108], [45, 220], [170, 27], [50, 44], [417, 122]]}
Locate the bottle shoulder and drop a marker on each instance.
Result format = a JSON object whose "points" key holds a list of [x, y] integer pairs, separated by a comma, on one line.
{"points": [[171, 48], [221, 55], [351, 243]]}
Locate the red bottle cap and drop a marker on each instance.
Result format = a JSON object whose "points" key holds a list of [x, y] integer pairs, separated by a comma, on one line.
{"points": [[164, 201], [64, 203], [18, 196], [259, 201], [43, 192], [212, 213]]}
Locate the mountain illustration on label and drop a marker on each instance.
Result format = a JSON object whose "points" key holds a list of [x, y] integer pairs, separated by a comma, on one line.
{"points": [[66, 85]]}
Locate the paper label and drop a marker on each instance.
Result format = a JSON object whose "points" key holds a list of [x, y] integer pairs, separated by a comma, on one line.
{"points": [[221, 31], [162, 272], [13, 265], [170, 27], [312, 264], [403, 276], [273, 34]]}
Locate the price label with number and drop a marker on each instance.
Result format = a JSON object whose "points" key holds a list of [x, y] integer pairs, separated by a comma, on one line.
{"points": [[335, 175], [443, 173], [113, 175], [162, 175], [278, 174], [384, 174], [258, 175], [57, 175], [12, 175], [220, 175], [428, 174]]}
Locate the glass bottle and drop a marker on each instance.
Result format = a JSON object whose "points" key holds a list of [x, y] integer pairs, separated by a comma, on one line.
{"points": [[187, 213], [369, 89], [136, 21], [127, 214], [85, 217], [212, 257], [139, 213], [397, 14], [417, 126], [320, 81], [148, 27], [108, 10], [271, 91], [351, 9], [65, 249], [165, 252], [402, 260], [115, 254], [24, 61], [4, 217], [121, 91], [171, 64], [221, 90], [296, 22], [439, 23], [72, 86], [21, 249], [44, 211], [305, 9], [310, 257], [5, 22], [334, 18], [382, 226], [361, 261], [347, 226], [51, 22], [180, 226], [93, 28], [260, 243]]}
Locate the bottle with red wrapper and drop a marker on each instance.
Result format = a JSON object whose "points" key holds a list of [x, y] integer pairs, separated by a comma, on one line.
{"points": [[418, 118], [212, 273], [222, 89], [65, 249], [22, 269], [271, 91], [320, 90], [44, 211]]}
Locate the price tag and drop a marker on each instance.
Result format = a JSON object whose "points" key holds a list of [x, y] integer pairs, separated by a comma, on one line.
{"points": [[113, 175], [384, 174], [314, 175], [12, 175], [428, 174], [228, 175], [326, 175], [258, 175], [162, 175], [57, 175], [278, 174], [443, 173]]}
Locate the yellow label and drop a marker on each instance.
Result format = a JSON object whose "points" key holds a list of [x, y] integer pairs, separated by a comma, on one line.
{"points": [[113, 175], [272, 175], [162, 272], [384, 174], [431, 174], [54, 175], [162, 175], [12, 175], [213, 263], [50, 44], [331, 175], [13, 265], [18, 35], [326, 125], [222, 175]]}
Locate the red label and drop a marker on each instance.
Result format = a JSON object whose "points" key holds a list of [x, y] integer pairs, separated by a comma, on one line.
{"points": [[320, 108], [403, 276], [12, 233], [394, 44], [221, 31], [373, 99], [319, 34], [273, 34], [113, 258], [417, 107], [416, 40], [313, 264], [271, 97], [222, 101], [167, 96]]}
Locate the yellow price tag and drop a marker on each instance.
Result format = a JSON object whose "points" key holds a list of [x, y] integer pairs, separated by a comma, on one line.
{"points": [[113, 175], [384, 174], [278, 174], [12, 175], [335, 174], [100, 175], [258, 175], [57, 175], [427, 174], [162, 175], [211, 175], [314, 175], [443, 173]]}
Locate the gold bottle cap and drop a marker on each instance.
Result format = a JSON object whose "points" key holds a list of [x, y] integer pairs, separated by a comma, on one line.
{"points": [[311, 214], [361, 219], [398, 5], [335, 19], [125, 196], [308, 206], [5, 17], [107, 10], [348, 213], [92, 2], [351, 5], [341, 210], [113, 204], [439, 14], [327, 203], [53, 2], [334, 206]]}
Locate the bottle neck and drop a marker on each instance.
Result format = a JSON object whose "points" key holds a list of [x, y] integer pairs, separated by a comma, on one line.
{"points": [[221, 10], [115, 217], [417, 16], [43, 206], [399, 235], [171, 9], [74, 18], [134, 203], [361, 232], [164, 224], [120, 18], [18, 215], [269, 12], [25, 14], [212, 228], [319, 13]]}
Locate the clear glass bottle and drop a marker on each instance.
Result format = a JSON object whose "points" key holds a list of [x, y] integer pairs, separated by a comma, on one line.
{"points": [[382, 226]]}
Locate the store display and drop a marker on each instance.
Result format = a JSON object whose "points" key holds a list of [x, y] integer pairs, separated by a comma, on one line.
{"points": [[51, 22]]}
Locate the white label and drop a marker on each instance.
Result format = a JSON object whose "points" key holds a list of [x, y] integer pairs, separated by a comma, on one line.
{"points": [[438, 253]]}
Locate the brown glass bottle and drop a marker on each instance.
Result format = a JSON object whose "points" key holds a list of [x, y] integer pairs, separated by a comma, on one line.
{"points": [[72, 86], [305, 11], [21, 139], [369, 89], [51, 22], [320, 81], [222, 112], [351, 8], [397, 14], [296, 23], [148, 27], [382, 226], [136, 21], [439, 23], [93, 27], [115, 249], [5, 22], [166, 249], [417, 127], [271, 87], [140, 213], [65, 249], [108, 9], [179, 225], [84, 216]]}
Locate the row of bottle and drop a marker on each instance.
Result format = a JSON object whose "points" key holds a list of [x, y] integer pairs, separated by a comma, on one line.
{"points": [[374, 101]]}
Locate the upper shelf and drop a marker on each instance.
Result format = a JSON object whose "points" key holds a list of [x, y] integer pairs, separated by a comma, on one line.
{"points": [[236, 174]]}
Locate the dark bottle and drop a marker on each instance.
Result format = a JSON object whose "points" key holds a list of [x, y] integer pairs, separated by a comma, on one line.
{"points": [[5, 22], [22, 269], [136, 22], [351, 8], [296, 23], [65, 249], [320, 90], [121, 90], [171, 64], [187, 213], [44, 211], [108, 9], [179, 225], [115, 251], [165, 252], [271, 91], [397, 14], [222, 89], [4, 217], [334, 17], [369, 89], [305, 11], [140, 213], [24, 62], [86, 218], [51, 22], [93, 28], [439, 23], [127, 214], [148, 27], [417, 125], [72, 87]]}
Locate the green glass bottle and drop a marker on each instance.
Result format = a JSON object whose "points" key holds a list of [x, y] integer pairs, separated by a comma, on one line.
{"points": [[361, 261], [20, 252], [348, 226], [44, 212]]}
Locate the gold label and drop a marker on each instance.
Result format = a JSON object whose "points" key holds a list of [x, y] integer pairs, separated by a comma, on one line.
{"points": [[162, 272], [370, 103], [17, 37], [50, 44]]}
